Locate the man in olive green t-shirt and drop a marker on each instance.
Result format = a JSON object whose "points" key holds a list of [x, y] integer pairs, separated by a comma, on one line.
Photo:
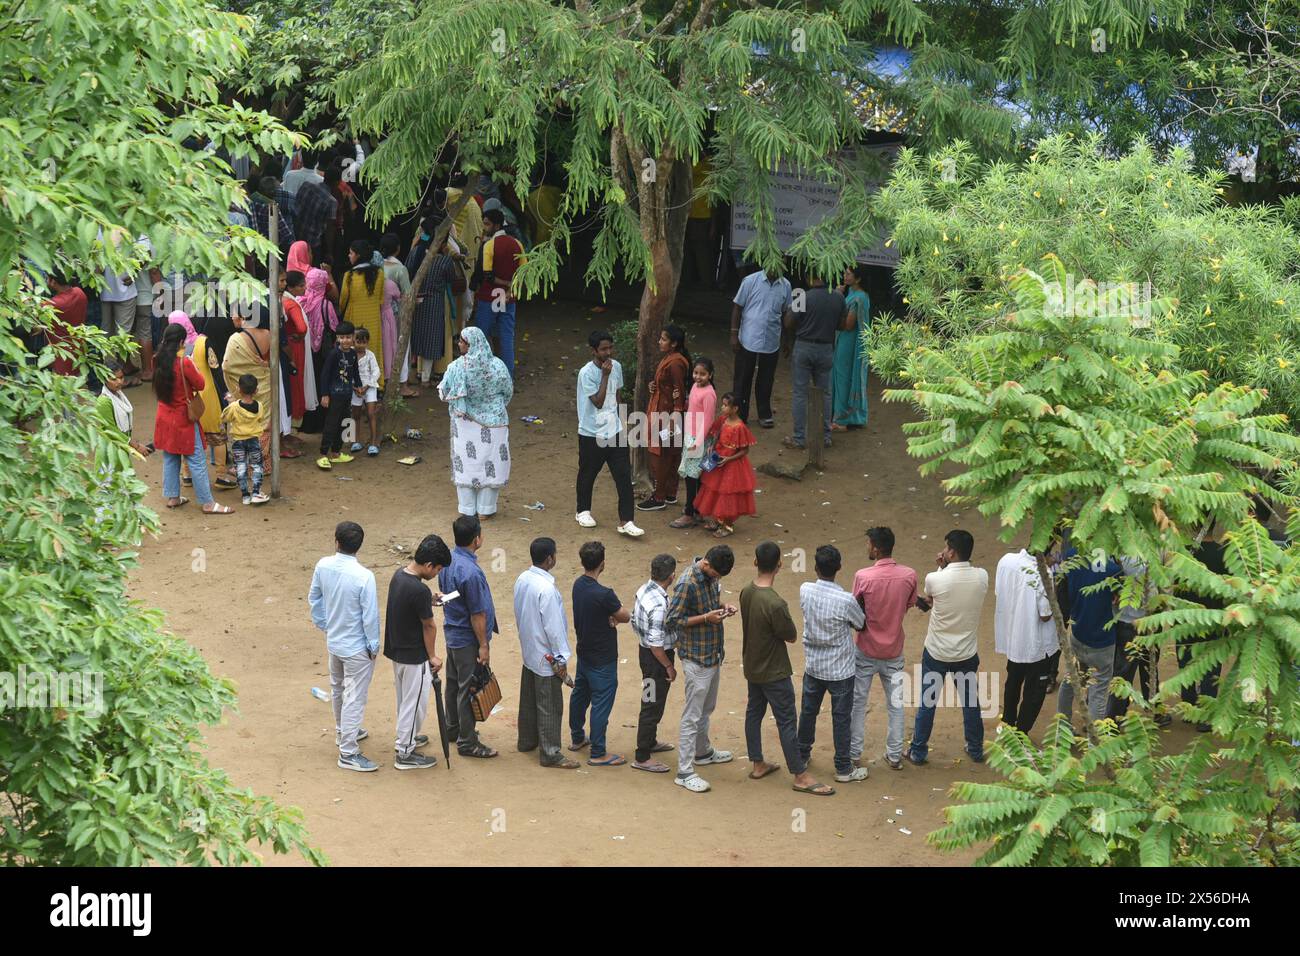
{"points": [[767, 628]]}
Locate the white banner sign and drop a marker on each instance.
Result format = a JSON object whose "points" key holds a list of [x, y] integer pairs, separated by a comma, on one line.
{"points": [[800, 202]]}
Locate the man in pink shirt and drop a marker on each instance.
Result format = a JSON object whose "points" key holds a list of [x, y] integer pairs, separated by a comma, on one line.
{"points": [[885, 590]]}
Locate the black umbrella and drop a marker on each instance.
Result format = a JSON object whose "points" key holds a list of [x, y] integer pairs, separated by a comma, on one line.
{"points": [[442, 718]]}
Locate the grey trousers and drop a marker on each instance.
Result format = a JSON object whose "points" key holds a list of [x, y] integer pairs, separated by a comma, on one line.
{"points": [[541, 711], [413, 683], [1098, 663], [350, 688], [701, 692], [460, 719], [811, 364], [891, 679]]}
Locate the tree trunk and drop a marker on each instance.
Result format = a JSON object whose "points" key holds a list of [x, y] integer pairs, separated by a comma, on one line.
{"points": [[407, 313], [664, 205], [1078, 679]]}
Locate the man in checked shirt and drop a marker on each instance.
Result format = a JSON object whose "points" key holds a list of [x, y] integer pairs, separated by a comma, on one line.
{"points": [[831, 620], [695, 615]]}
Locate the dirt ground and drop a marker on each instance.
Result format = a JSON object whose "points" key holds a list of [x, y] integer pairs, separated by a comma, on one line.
{"points": [[247, 613]]}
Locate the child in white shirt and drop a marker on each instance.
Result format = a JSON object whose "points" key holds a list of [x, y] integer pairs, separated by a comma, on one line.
{"points": [[367, 393]]}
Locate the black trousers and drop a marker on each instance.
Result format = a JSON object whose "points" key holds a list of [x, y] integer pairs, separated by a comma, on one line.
{"points": [[592, 457], [692, 489], [747, 365], [1025, 692], [331, 439], [1207, 686], [1130, 663], [654, 695]]}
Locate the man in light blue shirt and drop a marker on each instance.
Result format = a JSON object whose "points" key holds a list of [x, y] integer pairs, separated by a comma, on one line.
{"points": [[601, 437], [758, 313], [345, 605], [543, 630]]}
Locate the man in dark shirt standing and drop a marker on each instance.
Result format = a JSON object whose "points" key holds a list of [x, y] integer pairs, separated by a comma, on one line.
{"points": [[1092, 636], [766, 628], [410, 642], [814, 328], [596, 613], [470, 620]]}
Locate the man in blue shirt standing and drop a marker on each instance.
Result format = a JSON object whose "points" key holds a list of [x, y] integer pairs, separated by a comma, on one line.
{"points": [[758, 313], [1092, 635], [345, 605], [469, 621]]}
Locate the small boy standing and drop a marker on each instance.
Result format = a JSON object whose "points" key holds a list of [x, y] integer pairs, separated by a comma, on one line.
{"points": [[367, 389], [246, 420], [339, 383]]}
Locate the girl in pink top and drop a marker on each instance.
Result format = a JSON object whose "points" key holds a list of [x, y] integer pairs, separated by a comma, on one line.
{"points": [[701, 410]]}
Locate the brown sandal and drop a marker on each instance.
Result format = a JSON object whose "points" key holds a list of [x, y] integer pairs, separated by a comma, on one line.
{"points": [[219, 509]]}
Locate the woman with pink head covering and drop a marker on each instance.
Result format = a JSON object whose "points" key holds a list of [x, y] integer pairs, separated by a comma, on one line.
{"points": [[183, 320], [299, 258]]}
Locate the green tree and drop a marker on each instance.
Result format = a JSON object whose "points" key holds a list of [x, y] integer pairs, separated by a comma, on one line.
{"points": [[1127, 230], [638, 93], [1047, 418], [102, 106]]}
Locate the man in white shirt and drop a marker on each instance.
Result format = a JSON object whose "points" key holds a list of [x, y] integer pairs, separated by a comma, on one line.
{"points": [[543, 630], [955, 598], [602, 438], [1024, 631], [293, 179], [758, 313], [658, 664]]}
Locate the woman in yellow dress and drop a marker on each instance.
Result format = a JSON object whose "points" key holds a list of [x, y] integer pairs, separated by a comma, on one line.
{"points": [[361, 295]]}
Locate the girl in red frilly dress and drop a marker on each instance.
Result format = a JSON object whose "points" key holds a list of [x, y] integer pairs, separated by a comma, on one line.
{"points": [[727, 490]]}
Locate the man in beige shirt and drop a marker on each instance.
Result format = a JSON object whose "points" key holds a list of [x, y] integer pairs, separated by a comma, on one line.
{"points": [[955, 595]]}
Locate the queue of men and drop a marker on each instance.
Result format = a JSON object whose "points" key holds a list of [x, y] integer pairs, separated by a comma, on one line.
{"points": [[850, 637]]}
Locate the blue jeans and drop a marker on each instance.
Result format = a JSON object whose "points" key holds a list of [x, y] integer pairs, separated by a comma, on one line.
{"points": [[814, 691], [933, 675], [594, 685], [812, 363], [500, 325], [198, 460]]}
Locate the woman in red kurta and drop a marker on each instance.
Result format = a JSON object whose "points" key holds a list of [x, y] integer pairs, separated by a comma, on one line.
{"points": [[667, 403], [727, 491], [295, 329], [176, 379], [69, 303]]}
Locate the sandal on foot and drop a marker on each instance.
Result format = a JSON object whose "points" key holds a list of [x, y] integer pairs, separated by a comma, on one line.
{"points": [[685, 521], [817, 789], [179, 501], [767, 771], [661, 748], [578, 745], [217, 509], [651, 766], [609, 760], [724, 531], [478, 750]]}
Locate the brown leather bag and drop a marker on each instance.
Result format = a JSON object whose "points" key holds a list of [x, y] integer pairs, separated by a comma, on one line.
{"points": [[195, 407], [484, 692]]}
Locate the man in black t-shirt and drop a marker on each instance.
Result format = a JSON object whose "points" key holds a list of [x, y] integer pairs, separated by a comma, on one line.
{"points": [[410, 638], [596, 613]]}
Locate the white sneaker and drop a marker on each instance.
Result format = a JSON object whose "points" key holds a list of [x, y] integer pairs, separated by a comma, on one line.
{"points": [[718, 756], [585, 519], [853, 776], [694, 783], [631, 530]]}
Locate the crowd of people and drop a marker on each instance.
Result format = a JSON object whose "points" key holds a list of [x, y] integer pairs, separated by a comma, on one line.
{"points": [[850, 636]]}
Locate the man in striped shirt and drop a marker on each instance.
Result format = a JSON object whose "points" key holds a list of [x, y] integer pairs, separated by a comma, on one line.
{"points": [[656, 657], [831, 620]]}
